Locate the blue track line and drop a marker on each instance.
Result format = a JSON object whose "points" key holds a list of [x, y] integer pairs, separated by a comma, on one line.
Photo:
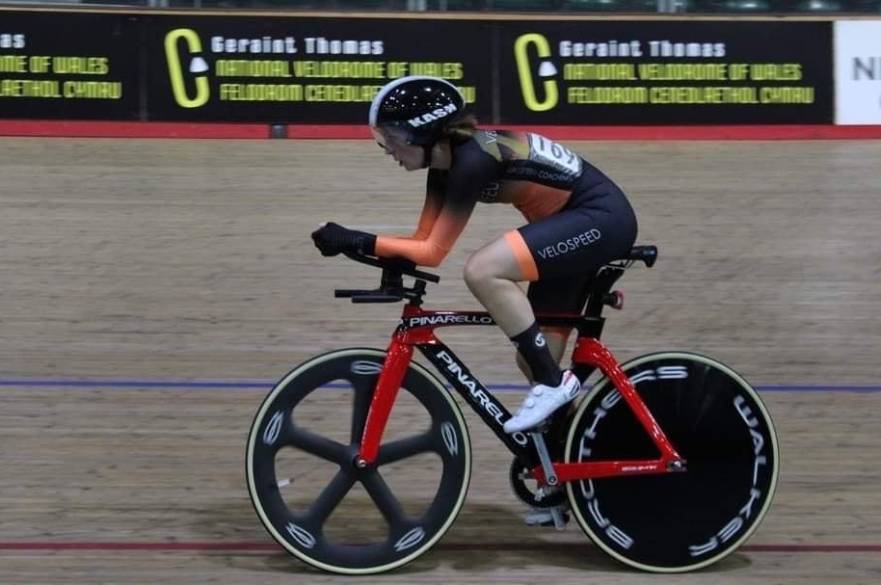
{"points": [[266, 385]]}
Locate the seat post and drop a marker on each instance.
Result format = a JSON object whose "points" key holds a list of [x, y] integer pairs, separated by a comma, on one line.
{"points": [[600, 286]]}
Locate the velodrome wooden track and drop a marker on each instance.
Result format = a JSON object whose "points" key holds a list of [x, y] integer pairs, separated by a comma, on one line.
{"points": [[152, 290]]}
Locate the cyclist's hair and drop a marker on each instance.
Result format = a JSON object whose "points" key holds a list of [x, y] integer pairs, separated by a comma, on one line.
{"points": [[460, 128]]}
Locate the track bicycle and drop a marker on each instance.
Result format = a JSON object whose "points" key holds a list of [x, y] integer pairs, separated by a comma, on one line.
{"points": [[668, 463]]}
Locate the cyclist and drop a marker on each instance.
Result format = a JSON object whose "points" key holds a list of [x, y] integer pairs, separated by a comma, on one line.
{"points": [[577, 220]]}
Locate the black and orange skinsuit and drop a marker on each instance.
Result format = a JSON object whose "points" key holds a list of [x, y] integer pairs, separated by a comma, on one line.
{"points": [[578, 219]]}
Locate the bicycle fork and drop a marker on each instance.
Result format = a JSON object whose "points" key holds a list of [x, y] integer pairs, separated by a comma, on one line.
{"points": [[390, 379]]}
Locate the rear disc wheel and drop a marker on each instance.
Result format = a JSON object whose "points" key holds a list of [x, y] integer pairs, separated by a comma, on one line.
{"points": [[675, 522]]}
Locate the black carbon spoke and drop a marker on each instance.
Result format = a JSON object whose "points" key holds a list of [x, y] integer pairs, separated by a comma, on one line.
{"points": [[363, 387], [384, 499], [317, 445], [404, 448], [330, 497]]}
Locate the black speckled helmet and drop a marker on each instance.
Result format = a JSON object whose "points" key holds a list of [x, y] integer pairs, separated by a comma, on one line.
{"points": [[421, 106]]}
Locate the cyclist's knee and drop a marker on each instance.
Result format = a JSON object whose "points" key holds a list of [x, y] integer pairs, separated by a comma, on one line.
{"points": [[494, 261], [478, 269]]}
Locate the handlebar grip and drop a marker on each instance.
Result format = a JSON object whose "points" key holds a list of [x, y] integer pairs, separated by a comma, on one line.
{"points": [[424, 275], [394, 264], [376, 298]]}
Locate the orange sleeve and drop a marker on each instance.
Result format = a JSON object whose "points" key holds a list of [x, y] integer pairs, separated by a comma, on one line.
{"points": [[434, 248], [430, 212], [451, 197]]}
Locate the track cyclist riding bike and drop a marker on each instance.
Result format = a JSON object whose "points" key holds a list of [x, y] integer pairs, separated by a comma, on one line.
{"points": [[577, 221], [668, 463]]}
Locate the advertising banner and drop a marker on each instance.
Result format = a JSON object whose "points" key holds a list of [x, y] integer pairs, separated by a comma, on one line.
{"points": [[858, 72], [324, 70], [301, 69], [75, 65], [666, 72]]}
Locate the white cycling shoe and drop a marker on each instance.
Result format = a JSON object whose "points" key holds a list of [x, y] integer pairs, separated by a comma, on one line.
{"points": [[542, 401]]}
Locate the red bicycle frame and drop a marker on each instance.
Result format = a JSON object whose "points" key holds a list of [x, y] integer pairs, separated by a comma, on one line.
{"points": [[417, 330]]}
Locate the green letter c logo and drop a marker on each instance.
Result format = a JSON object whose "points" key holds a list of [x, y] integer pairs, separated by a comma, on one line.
{"points": [[525, 73], [175, 71]]}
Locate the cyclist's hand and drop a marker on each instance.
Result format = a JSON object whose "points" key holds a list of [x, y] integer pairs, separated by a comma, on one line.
{"points": [[332, 239]]}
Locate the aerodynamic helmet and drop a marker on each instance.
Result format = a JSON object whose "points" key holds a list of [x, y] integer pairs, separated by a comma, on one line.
{"points": [[421, 106]]}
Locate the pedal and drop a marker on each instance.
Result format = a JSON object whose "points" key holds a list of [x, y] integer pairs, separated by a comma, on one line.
{"points": [[560, 517], [556, 516], [546, 464]]}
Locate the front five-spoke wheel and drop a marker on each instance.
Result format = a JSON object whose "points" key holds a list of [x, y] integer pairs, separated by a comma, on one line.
{"points": [[306, 483]]}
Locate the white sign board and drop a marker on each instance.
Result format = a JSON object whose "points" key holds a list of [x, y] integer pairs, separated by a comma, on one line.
{"points": [[858, 72]]}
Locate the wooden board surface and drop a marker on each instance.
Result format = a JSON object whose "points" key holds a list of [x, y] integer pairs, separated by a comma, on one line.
{"points": [[153, 290]]}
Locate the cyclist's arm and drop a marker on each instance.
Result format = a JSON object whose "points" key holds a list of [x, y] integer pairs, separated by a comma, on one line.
{"points": [[472, 171], [434, 202], [434, 248]]}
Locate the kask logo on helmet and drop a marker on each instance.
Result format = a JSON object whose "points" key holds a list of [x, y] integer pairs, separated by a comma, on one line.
{"points": [[433, 116]]}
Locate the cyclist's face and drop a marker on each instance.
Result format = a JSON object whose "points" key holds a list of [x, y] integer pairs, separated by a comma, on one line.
{"points": [[394, 143]]}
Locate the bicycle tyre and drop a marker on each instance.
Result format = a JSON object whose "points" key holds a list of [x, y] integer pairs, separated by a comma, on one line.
{"points": [[675, 522], [274, 428]]}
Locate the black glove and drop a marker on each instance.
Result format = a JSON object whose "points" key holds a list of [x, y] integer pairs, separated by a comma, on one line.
{"points": [[332, 239]]}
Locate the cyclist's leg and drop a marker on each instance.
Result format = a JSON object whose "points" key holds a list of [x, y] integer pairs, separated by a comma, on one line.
{"points": [[492, 274], [556, 295], [596, 227], [556, 338]]}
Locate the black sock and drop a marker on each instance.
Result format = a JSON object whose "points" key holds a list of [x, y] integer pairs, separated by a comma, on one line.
{"points": [[534, 348]]}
